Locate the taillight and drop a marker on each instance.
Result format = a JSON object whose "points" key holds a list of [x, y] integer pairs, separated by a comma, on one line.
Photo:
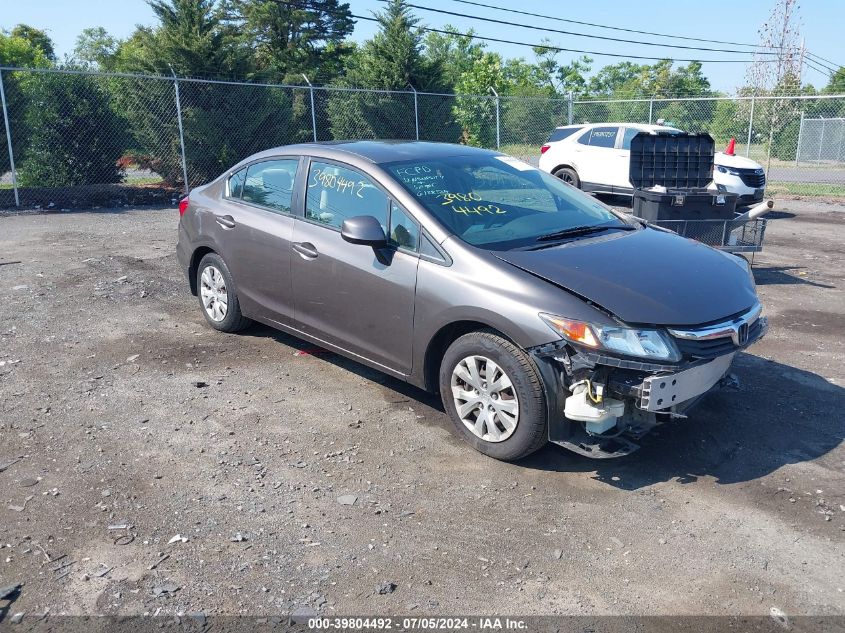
{"points": [[183, 205], [544, 148]]}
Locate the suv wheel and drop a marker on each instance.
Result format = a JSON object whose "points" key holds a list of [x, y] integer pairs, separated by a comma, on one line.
{"points": [[569, 176], [217, 295], [493, 395]]}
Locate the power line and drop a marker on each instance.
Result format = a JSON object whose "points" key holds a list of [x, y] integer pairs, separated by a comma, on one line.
{"points": [[541, 46], [838, 66], [820, 62], [822, 70], [602, 26], [573, 33]]}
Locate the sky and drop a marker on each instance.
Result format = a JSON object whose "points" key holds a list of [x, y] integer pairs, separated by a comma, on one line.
{"points": [[735, 21]]}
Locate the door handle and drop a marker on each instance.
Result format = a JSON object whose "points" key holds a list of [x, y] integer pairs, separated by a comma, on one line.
{"points": [[226, 221], [306, 250]]}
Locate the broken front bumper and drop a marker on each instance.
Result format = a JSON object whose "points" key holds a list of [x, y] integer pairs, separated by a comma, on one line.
{"points": [[653, 393]]}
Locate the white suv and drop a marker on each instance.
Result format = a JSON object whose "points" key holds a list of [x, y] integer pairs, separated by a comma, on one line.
{"points": [[595, 157]]}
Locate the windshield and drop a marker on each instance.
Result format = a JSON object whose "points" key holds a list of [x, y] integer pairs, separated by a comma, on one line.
{"points": [[499, 202]]}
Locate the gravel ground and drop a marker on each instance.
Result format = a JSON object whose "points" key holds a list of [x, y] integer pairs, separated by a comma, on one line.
{"points": [[259, 475]]}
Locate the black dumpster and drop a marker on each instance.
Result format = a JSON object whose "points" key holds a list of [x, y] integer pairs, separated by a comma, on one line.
{"points": [[670, 174]]}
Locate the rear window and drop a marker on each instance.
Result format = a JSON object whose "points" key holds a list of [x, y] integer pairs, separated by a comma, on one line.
{"points": [[600, 137], [562, 132]]}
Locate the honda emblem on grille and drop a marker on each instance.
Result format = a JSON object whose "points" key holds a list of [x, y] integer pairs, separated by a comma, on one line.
{"points": [[741, 336]]}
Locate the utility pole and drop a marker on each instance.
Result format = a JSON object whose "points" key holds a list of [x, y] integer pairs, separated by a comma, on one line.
{"points": [[801, 64]]}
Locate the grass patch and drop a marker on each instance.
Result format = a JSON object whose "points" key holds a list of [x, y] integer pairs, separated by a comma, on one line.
{"points": [[143, 180], [820, 189], [521, 150]]}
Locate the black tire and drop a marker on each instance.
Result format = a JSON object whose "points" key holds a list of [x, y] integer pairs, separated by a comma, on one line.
{"points": [[234, 321], [530, 433], [569, 176]]}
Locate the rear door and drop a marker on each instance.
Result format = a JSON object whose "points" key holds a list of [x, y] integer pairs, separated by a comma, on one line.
{"points": [[622, 161], [256, 226], [343, 293], [594, 151]]}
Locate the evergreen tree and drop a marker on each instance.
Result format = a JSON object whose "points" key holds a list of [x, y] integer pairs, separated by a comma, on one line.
{"points": [[291, 38], [222, 123], [392, 60]]}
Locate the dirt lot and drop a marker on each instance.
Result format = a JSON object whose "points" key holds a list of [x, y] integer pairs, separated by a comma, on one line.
{"points": [[120, 406]]}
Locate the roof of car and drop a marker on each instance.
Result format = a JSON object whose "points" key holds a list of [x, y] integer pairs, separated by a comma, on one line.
{"points": [[649, 127], [393, 150]]}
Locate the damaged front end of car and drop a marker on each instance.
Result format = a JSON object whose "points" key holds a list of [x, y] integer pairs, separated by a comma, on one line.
{"points": [[610, 386]]}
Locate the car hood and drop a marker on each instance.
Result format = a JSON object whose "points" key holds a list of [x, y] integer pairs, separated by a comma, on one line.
{"points": [[646, 276], [728, 160]]}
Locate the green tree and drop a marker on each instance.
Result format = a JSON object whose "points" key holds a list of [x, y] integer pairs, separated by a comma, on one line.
{"points": [[222, 123], [475, 109], [19, 53], [38, 38], [94, 46], [74, 135], [392, 60], [290, 38], [454, 53], [727, 121], [836, 85]]}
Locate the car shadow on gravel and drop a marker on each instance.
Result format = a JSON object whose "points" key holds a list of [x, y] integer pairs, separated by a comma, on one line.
{"points": [[783, 276], [400, 387], [780, 415]]}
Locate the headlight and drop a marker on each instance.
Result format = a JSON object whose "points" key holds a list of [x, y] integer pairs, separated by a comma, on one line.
{"points": [[727, 170], [653, 344]]}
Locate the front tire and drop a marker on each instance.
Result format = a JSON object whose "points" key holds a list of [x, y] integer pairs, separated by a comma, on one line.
{"points": [[217, 296], [494, 396], [569, 176]]}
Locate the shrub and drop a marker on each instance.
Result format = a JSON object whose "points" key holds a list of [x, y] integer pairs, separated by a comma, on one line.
{"points": [[74, 136]]}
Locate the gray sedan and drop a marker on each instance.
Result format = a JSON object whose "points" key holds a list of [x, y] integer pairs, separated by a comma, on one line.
{"points": [[538, 313]]}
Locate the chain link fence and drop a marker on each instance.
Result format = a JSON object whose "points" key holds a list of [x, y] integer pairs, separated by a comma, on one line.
{"points": [[73, 139], [821, 141]]}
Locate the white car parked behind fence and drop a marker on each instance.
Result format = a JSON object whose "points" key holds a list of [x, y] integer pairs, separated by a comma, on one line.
{"points": [[595, 157]]}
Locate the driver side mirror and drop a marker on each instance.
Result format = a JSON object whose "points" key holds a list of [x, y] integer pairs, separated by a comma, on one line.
{"points": [[365, 230]]}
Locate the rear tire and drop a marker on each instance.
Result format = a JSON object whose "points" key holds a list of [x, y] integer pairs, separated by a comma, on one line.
{"points": [[218, 297], [569, 176], [500, 395]]}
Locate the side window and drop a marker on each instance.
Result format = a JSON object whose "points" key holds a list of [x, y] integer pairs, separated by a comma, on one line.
{"points": [[630, 133], [236, 183], [558, 134], [337, 193], [603, 136], [270, 184], [404, 231]]}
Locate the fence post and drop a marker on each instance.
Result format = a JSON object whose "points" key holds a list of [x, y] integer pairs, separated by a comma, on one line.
{"points": [[800, 130], [313, 111], [821, 143], [181, 131], [496, 94], [570, 103], [650, 109], [416, 112], [750, 126], [9, 141]]}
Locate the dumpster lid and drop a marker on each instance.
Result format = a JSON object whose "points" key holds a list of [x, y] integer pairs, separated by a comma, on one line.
{"points": [[676, 160]]}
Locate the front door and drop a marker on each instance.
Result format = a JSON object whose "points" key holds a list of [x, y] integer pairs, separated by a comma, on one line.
{"points": [[344, 293]]}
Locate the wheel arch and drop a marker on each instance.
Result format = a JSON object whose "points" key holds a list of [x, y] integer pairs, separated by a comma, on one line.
{"points": [[564, 166], [196, 258], [440, 342]]}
